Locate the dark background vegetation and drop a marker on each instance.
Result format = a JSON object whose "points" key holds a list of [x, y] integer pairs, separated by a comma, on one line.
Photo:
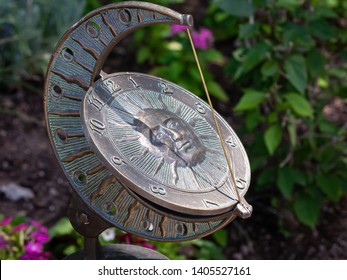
{"points": [[277, 72]]}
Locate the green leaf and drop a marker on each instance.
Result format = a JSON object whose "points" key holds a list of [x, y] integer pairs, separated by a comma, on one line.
{"points": [[255, 55], [269, 68], [322, 29], [217, 91], [62, 227], [292, 133], [247, 30], [221, 236], [299, 104], [331, 186], [307, 208], [250, 100], [315, 63], [272, 138], [142, 55], [238, 8], [295, 68], [288, 4], [285, 181]]}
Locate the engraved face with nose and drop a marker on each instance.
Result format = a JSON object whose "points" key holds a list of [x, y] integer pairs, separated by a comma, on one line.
{"points": [[168, 132]]}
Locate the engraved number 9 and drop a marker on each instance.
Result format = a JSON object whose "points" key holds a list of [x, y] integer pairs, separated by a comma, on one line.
{"points": [[158, 190]]}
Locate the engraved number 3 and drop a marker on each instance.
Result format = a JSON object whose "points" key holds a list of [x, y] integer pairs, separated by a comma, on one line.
{"points": [[158, 190]]}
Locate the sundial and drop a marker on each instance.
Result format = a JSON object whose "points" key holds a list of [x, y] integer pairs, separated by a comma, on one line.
{"points": [[142, 154]]}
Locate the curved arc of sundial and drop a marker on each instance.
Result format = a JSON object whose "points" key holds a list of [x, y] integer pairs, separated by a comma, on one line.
{"points": [[75, 63]]}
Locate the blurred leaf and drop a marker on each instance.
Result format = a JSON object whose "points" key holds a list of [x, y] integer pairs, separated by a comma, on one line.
{"points": [[297, 34], [250, 100], [322, 29], [307, 209], [238, 8], [62, 227], [292, 134], [272, 138], [285, 181], [142, 55], [266, 178], [269, 68], [253, 118], [299, 104], [295, 68], [331, 185], [253, 57], [315, 63], [217, 91], [221, 236], [247, 30], [207, 250], [289, 4]]}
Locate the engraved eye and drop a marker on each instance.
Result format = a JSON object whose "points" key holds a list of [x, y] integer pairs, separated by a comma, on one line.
{"points": [[159, 135]]}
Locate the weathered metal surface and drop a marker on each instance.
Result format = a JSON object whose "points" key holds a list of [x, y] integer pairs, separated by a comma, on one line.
{"points": [[154, 170], [158, 140]]}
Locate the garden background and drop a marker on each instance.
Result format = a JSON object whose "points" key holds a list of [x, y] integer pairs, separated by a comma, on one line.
{"points": [[277, 72]]}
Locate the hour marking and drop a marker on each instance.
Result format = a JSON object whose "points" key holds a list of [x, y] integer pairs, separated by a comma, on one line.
{"points": [[210, 204], [95, 101], [131, 79], [105, 183], [165, 88], [230, 141], [97, 126], [77, 155], [111, 86], [240, 183]]}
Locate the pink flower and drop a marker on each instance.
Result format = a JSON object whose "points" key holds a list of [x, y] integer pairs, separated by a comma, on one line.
{"points": [[176, 28], [202, 39], [35, 256], [40, 236], [6, 221], [2, 242], [33, 247], [148, 245], [19, 227]]}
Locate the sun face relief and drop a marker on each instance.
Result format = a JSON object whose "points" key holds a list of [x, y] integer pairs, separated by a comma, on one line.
{"points": [[160, 139], [173, 136]]}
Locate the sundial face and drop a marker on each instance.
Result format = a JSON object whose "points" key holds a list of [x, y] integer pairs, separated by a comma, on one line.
{"points": [[142, 153], [159, 140]]}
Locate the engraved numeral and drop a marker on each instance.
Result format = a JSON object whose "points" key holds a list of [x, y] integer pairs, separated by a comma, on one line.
{"points": [[158, 190], [97, 126], [210, 204], [200, 108], [95, 101], [165, 88], [131, 79], [230, 141], [241, 183], [117, 160], [111, 86]]}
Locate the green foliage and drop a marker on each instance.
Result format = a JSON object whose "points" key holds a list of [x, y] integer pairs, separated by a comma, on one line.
{"points": [[171, 58], [29, 31], [290, 63]]}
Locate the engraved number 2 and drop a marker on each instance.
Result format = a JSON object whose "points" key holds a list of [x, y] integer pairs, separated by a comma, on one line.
{"points": [[158, 190]]}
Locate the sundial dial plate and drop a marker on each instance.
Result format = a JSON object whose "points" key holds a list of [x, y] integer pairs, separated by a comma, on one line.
{"points": [[159, 140]]}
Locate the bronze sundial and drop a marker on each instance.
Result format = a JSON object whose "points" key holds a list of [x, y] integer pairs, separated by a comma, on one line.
{"points": [[141, 153]]}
